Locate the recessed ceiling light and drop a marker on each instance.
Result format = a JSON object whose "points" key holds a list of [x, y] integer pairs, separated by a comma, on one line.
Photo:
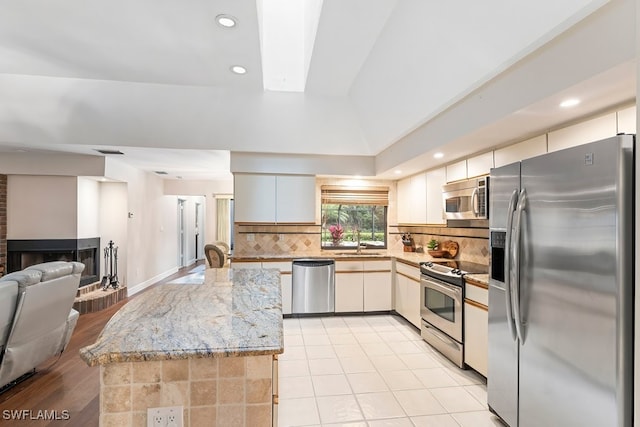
{"points": [[226, 21], [238, 69], [397, 171], [569, 103], [438, 155]]}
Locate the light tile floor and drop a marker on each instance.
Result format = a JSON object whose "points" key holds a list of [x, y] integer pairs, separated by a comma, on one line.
{"points": [[374, 371]]}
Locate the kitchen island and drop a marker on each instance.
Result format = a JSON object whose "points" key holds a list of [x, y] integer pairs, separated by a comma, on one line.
{"points": [[210, 348]]}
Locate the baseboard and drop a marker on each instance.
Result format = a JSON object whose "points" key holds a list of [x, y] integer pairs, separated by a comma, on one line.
{"points": [[144, 285]]}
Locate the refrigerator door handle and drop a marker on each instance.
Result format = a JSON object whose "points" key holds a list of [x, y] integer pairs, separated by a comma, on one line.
{"points": [[520, 208], [507, 263]]}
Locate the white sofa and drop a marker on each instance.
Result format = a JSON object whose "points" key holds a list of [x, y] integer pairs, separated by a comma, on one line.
{"points": [[36, 316]]}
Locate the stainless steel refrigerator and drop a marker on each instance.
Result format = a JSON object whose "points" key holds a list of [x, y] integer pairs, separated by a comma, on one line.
{"points": [[561, 287]]}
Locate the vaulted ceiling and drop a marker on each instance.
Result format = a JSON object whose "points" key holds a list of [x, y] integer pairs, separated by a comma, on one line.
{"points": [[384, 74]]}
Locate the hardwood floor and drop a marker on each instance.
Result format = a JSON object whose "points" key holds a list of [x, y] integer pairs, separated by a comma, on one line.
{"points": [[65, 383]]}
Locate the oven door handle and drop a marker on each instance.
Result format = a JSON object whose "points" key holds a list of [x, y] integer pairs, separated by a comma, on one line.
{"points": [[452, 291]]}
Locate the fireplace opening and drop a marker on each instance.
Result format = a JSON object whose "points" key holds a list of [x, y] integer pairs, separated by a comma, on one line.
{"points": [[24, 253]]}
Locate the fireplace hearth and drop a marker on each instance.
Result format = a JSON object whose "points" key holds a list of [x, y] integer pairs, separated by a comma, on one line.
{"points": [[24, 253]]}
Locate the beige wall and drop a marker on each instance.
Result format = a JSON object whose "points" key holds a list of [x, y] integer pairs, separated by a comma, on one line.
{"points": [[42, 207]]}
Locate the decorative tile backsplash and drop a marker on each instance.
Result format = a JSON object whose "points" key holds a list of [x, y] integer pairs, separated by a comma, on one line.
{"points": [[276, 239], [302, 240], [473, 242]]}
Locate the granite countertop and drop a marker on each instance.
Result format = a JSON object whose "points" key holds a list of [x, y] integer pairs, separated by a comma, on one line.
{"points": [[480, 278], [413, 258], [233, 313]]}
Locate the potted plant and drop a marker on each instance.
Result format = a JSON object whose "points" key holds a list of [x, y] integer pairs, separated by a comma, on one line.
{"points": [[336, 234], [432, 245]]}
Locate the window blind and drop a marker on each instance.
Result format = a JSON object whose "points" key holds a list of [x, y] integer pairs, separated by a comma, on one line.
{"points": [[340, 195]]}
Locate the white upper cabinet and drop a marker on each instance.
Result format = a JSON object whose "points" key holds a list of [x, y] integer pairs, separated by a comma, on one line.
{"points": [[295, 198], [582, 133], [271, 198], [254, 198], [403, 196], [627, 120], [412, 200], [480, 165], [435, 180], [523, 150], [457, 171]]}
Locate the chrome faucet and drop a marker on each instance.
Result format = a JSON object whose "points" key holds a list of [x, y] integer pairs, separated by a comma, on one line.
{"points": [[358, 247]]}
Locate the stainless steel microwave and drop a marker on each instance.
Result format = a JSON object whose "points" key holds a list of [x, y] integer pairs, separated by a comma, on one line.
{"points": [[466, 199]]}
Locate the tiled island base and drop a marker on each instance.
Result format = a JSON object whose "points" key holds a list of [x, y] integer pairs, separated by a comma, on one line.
{"points": [[228, 391]]}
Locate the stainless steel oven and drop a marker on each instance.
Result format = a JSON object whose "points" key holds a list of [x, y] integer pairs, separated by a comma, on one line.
{"points": [[466, 199], [441, 312]]}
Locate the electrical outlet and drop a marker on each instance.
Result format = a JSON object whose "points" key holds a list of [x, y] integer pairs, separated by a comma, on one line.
{"points": [[251, 237], [174, 416], [155, 417], [169, 416]]}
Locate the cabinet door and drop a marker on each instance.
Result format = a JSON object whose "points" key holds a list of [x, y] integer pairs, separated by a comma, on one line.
{"points": [[404, 201], [581, 133], [399, 291], [457, 171], [435, 180], [285, 284], [413, 302], [418, 204], [254, 198], [349, 292], [480, 165], [248, 264], [627, 120], [476, 325], [520, 151], [296, 199], [377, 291]]}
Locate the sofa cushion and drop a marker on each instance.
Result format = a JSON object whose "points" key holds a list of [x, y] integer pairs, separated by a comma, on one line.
{"points": [[53, 270]]}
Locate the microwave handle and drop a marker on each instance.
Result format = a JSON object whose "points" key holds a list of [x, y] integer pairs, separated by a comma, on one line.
{"points": [[474, 201]]}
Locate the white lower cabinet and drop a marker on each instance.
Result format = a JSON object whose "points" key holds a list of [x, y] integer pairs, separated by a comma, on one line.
{"points": [[407, 293], [349, 292], [377, 291], [363, 286], [476, 327], [285, 284]]}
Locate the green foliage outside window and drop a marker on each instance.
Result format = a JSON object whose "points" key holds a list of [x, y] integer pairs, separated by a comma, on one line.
{"points": [[341, 223]]}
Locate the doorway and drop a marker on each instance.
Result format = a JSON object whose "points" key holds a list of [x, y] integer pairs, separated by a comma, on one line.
{"points": [[182, 256]]}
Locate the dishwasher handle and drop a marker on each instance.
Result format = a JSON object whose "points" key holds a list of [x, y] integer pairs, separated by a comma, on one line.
{"points": [[313, 262]]}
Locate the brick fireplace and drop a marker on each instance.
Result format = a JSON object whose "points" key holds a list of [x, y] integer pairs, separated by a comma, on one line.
{"points": [[24, 253]]}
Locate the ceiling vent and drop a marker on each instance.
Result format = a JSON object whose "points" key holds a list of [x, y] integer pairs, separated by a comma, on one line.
{"points": [[161, 173], [109, 151]]}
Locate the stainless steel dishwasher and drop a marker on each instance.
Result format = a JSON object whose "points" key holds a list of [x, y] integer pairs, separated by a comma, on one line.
{"points": [[313, 288]]}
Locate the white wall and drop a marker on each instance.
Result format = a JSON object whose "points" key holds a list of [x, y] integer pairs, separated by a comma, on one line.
{"points": [[113, 223], [151, 247], [88, 206], [42, 207]]}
